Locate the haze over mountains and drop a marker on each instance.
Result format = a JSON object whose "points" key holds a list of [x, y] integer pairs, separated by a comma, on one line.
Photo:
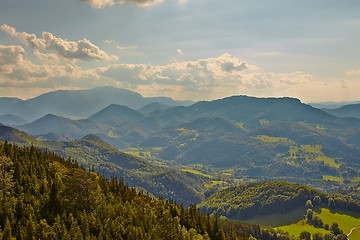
{"points": [[351, 110], [79, 103], [232, 139]]}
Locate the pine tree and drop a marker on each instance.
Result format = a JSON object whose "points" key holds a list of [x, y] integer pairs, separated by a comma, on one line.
{"points": [[7, 232]]}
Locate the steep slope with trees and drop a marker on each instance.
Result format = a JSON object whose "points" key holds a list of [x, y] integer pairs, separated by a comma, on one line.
{"points": [[245, 201], [43, 196]]}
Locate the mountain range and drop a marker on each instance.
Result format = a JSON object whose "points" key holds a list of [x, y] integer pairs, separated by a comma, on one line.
{"points": [[78, 104], [351, 110], [239, 138]]}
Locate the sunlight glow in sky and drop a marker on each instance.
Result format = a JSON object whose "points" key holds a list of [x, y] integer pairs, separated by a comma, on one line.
{"points": [[184, 49]]}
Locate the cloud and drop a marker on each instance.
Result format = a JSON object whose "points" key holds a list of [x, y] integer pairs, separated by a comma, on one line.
{"points": [[105, 3], [16, 70], [10, 55], [203, 78], [183, 1], [128, 47], [64, 49], [139, 3], [353, 72], [180, 52]]}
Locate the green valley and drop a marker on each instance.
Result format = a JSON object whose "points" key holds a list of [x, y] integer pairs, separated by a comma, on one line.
{"points": [[257, 160], [292, 208]]}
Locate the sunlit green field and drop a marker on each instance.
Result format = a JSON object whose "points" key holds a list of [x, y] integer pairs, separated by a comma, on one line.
{"points": [[333, 178], [313, 153], [196, 172], [214, 183], [296, 228], [346, 222], [355, 235], [270, 139]]}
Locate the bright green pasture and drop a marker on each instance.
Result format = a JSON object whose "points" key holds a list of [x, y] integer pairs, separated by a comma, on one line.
{"points": [[296, 228], [332, 178], [345, 222]]}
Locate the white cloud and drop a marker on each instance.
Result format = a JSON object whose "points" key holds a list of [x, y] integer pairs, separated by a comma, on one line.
{"points": [[353, 72], [16, 70], [204, 78], [200, 79], [104, 3], [64, 49], [127, 47], [179, 52], [10, 55], [183, 1]]}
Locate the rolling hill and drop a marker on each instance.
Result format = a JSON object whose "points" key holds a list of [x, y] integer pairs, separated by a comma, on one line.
{"points": [[116, 115], [152, 107], [156, 178], [245, 201], [78, 104], [18, 107], [291, 207], [65, 201], [62, 126], [10, 119], [233, 139], [14, 135], [351, 110]]}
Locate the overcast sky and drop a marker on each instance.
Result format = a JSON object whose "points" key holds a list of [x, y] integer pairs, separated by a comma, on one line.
{"points": [[184, 49]]}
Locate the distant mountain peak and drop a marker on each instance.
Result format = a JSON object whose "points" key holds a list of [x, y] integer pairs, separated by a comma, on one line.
{"points": [[92, 137], [14, 135]]}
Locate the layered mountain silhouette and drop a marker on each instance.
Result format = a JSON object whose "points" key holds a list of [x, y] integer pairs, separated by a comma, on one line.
{"points": [[351, 110], [10, 119], [165, 181], [255, 137], [51, 123], [116, 115], [78, 103]]}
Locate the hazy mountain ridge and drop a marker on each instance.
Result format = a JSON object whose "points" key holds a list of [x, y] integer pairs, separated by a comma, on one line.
{"points": [[351, 110], [249, 137], [78, 104], [116, 115], [332, 105], [10, 119], [158, 180], [51, 123]]}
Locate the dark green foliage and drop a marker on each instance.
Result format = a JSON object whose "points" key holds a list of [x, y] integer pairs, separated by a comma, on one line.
{"points": [[245, 201], [305, 235], [309, 204], [316, 201], [53, 198], [169, 182], [331, 203], [317, 236], [334, 228], [309, 215]]}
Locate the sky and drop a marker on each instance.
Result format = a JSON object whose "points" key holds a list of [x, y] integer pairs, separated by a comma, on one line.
{"points": [[184, 49]]}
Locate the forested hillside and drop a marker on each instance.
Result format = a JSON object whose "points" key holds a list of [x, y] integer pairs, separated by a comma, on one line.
{"points": [[244, 201], [234, 139], [43, 196]]}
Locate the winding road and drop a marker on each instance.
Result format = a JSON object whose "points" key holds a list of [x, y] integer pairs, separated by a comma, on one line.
{"points": [[352, 230]]}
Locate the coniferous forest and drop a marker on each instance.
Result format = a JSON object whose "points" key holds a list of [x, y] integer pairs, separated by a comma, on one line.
{"points": [[44, 196], [179, 119]]}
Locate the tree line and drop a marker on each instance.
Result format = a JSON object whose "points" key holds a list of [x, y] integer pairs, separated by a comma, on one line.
{"points": [[43, 196]]}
